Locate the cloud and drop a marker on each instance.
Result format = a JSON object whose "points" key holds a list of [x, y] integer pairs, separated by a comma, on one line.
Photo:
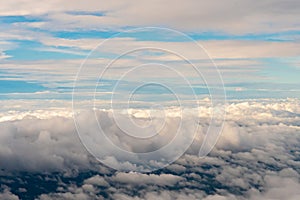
{"points": [[39, 139], [32, 145], [278, 187], [97, 180], [230, 16], [255, 158], [229, 49], [6, 194], [144, 179]]}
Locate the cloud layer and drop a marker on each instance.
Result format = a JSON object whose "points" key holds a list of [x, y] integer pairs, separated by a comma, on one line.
{"points": [[230, 17], [257, 157]]}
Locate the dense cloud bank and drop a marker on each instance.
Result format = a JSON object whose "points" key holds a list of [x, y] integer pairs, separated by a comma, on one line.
{"points": [[257, 157]]}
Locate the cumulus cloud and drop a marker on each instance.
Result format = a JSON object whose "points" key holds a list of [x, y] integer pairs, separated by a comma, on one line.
{"points": [[34, 144], [257, 157], [97, 180], [6, 194], [152, 179]]}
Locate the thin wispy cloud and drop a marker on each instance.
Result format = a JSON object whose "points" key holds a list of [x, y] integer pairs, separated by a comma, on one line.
{"points": [[149, 99]]}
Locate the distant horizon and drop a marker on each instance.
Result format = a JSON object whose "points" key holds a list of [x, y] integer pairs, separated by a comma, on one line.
{"points": [[143, 100]]}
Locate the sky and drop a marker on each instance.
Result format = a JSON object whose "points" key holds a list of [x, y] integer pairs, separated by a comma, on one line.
{"points": [[149, 99], [255, 46]]}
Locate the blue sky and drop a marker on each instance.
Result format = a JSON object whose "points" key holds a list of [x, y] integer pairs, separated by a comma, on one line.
{"points": [[189, 99], [260, 58]]}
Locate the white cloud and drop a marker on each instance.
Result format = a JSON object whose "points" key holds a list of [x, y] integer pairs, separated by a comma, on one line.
{"points": [[6, 194], [278, 187], [97, 180], [256, 158], [229, 49], [141, 179], [230, 16]]}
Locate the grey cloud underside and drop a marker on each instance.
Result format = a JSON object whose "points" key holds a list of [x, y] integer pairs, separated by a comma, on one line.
{"points": [[257, 157]]}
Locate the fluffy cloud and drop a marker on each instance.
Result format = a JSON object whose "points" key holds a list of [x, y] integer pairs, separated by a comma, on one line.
{"points": [[6, 194], [257, 157], [144, 179]]}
